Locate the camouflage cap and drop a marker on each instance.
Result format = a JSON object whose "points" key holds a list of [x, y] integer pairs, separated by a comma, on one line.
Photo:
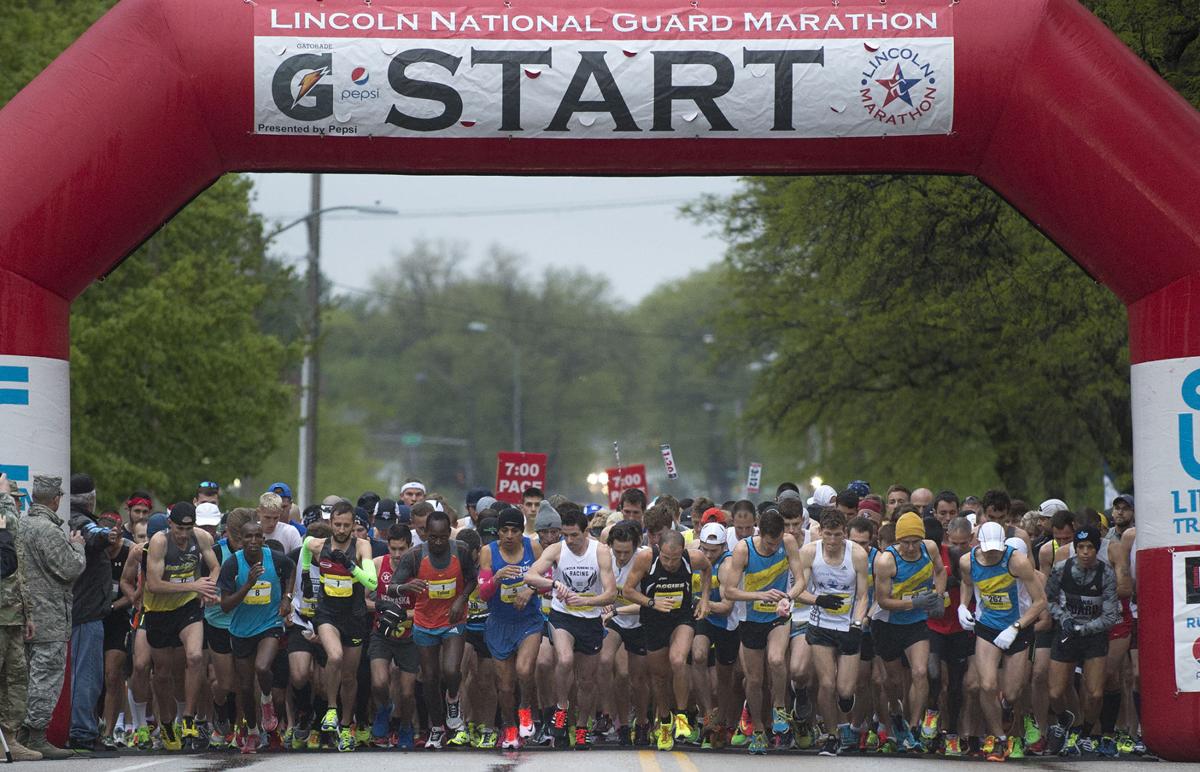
{"points": [[47, 487]]}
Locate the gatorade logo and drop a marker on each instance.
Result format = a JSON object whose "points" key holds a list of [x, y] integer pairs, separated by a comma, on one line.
{"points": [[1196, 649]]}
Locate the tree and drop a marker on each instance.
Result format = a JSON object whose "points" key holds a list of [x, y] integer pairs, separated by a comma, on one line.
{"points": [[172, 379]]}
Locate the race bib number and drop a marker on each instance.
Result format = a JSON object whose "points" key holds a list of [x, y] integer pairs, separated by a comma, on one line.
{"points": [[338, 586], [582, 608], [442, 589], [997, 602], [765, 606], [259, 595], [308, 607], [675, 597], [508, 592]]}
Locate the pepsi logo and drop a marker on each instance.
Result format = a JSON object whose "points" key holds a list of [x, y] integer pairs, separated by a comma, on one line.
{"points": [[360, 76]]}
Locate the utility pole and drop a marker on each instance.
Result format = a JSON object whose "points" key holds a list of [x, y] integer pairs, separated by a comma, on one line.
{"points": [[310, 378]]}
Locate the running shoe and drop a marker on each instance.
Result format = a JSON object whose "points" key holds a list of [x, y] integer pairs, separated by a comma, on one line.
{"points": [[871, 744], [1087, 743], [169, 735], [525, 722], [382, 723], [141, 738], [744, 723], [1057, 742], [313, 743], [1037, 749], [993, 749], [558, 730], [330, 722], [1108, 747], [780, 720], [739, 738], [453, 713], [666, 740], [1124, 743], [831, 746], [641, 734], [951, 746], [487, 738], [270, 722], [683, 728], [345, 740], [437, 736], [512, 740], [249, 743], [1016, 748], [583, 742], [603, 724], [188, 734], [1033, 732], [847, 737], [1139, 747], [1072, 747], [404, 737], [625, 736], [120, 736], [908, 743], [459, 738], [300, 739], [929, 725], [758, 743], [362, 735], [718, 737]]}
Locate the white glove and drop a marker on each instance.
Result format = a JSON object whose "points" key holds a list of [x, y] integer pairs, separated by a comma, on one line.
{"points": [[966, 618], [1005, 638]]}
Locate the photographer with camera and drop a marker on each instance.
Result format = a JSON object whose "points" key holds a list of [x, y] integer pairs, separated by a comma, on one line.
{"points": [[93, 597]]}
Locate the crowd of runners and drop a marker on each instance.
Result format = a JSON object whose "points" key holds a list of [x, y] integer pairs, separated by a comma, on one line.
{"points": [[843, 622]]}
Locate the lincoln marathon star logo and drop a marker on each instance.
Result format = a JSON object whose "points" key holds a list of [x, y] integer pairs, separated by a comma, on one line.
{"points": [[899, 86]]}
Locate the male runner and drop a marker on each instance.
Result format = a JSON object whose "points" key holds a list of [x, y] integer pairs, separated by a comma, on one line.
{"points": [[757, 574], [441, 575], [531, 502], [660, 581], [391, 644], [797, 522], [624, 539], [836, 571], [910, 586], [514, 624], [346, 573], [583, 584], [1008, 599], [219, 644], [716, 633], [1082, 593], [175, 585], [252, 584]]}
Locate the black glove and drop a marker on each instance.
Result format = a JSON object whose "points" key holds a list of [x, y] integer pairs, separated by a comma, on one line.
{"points": [[854, 638], [342, 559], [1068, 628], [938, 610], [391, 616], [829, 601]]}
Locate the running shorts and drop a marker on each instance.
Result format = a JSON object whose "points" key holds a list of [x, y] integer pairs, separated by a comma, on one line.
{"points": [[401, 651], [891, 640], [1022, 642], [753, 635], [588, 632], [163, 627]]}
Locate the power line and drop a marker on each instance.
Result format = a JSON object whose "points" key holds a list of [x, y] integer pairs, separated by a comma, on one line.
{"points": [[529, 209]]}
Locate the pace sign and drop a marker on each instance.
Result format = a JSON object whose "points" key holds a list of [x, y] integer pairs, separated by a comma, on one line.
{"points": [[621, 479], [385, 70], [517, 471]]}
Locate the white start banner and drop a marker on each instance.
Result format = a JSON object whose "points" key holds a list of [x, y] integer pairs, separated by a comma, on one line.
{"points": [[1166, 460], [388, 71], [35, 411]]}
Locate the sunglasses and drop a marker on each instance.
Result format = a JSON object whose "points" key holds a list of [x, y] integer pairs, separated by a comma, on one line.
{"points": [[210, 485]]}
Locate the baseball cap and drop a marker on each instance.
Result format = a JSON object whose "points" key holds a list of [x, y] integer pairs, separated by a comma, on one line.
{"points": [[82, 483], [786, 494], [385, 510], [713, 515], [282, 488], [404, 513], [208, 513], [485, 503], [991, 537], [1050, 506], [1125, 497], [861, 487], [489, 528], [713, 533], [474, 495], [156, 524], [823, 496], [183, 513]]}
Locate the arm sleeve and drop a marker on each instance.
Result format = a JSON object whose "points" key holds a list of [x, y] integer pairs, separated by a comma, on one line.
{"points": [[365, 575], [227, 581], [1052, 594], [305, 556], [487, 587], [8, 554]]}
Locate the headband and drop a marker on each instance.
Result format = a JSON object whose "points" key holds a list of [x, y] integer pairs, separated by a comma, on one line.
{"points": [[133, 501], [412, 486]]}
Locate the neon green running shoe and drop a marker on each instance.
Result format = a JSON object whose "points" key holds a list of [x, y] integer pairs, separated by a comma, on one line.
{"points": [[1032, 732], [346, 740]]}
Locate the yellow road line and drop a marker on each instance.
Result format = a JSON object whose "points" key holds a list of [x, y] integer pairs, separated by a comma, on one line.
{"points": [[648, 762], [684, 762]]}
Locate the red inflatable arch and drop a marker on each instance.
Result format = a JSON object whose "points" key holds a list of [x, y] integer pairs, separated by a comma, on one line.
{"points": [[1034, 97]]}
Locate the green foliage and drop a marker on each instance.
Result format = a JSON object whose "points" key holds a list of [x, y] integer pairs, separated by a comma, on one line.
{"points": [[172, 380], [925, 333], [34, 32]]}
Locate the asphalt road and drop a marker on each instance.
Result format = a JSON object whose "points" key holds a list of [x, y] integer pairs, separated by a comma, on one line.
{"points": [[558, 761]]}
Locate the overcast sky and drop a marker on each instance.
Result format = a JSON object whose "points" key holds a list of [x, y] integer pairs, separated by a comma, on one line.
{"points": [[627, 228]]}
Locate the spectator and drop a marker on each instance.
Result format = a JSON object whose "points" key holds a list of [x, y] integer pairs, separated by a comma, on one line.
{"points": [[50, 564], [91, 602], [14, 629]]}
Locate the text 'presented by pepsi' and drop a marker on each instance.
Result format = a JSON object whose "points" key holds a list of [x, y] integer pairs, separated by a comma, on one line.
{"points": [[766, 73]]}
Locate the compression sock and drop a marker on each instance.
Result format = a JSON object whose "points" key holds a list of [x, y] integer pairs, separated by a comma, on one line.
{"points": [[1110, 708]]}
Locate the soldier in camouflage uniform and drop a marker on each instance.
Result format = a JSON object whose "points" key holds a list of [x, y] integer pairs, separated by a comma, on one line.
{"points": [[15, 629], [50, 563]]}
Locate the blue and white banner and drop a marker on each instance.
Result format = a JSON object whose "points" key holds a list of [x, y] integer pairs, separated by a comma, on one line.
{"points": [[1166, 458], [35, 413]]}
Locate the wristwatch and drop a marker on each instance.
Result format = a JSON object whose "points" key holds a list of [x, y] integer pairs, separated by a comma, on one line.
{"points": [[1017, 625]]}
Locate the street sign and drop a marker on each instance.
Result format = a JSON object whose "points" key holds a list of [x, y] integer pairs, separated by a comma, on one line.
{"points": [[517, 471]]}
